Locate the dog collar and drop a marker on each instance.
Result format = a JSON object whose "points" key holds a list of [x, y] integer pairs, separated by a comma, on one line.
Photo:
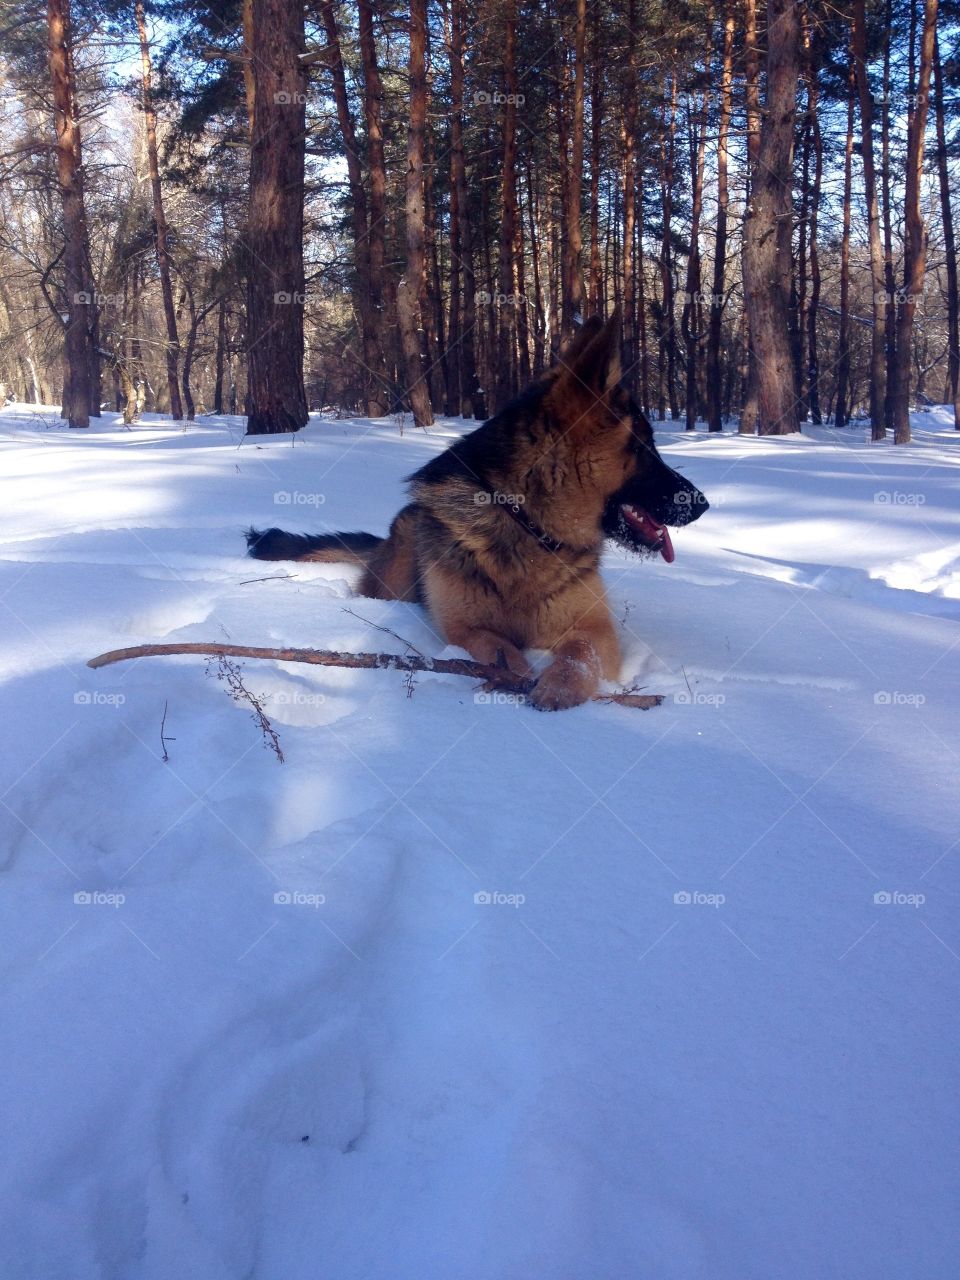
{"points": [[523, 520]]}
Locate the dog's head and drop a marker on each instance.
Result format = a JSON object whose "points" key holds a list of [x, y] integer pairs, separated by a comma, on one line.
{"points": [[613, 442]]}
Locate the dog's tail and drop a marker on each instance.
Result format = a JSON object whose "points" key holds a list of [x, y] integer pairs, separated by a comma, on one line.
{"points": [[328, 548]]}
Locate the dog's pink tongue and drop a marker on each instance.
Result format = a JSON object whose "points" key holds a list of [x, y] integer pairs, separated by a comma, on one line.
{"points": [[666, 546]]}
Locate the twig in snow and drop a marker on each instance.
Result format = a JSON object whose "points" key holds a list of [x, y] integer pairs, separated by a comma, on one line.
{"points": [[163, 737], [386, 630], [494, 677], [231, 675], [272, 577]]}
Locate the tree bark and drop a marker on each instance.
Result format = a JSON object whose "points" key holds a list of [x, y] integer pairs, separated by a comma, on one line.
{"points": [[690, 319], [878, 379], [949, 244], [160, 232], [768, 225], [840, 414], [750, 408], [377, 168], [371, 320], [276, 397], [507, 302], [78, 347], [410, 290], [470, 394], [572, 286], [221, 354], [628, 138], [715, 332], [915, 247]]}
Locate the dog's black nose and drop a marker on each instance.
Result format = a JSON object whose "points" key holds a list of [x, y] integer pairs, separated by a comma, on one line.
{"points": [[681, 502]]}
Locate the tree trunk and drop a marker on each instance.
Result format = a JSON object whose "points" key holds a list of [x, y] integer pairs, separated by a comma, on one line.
{"points": [[410, 290], [172, 347], [221, 352], [949, 245], [376, 165], [276, 400], [813, 205], [886, 211], [690, 319], [470, 395], [507, 301], [841, 415], [374, 375], [750, 409], [572, 285], [596, 163], [878, 380], [78, 346], [767, 227], [667, 356], [715, 332], [915, 247], [628, 138]]}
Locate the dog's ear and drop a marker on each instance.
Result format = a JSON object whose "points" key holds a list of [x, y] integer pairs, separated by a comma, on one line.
{"points": [[582, 337], [593, 363], [572, 349]]}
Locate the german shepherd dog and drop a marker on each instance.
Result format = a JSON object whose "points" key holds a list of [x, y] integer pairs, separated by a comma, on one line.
{"points": [[502, 539]]}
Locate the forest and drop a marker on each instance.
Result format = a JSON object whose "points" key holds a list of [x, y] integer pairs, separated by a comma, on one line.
{"points": [[267, 208]]}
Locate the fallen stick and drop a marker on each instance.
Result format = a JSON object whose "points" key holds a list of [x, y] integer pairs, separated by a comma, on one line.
{"points": [[496, 678]]}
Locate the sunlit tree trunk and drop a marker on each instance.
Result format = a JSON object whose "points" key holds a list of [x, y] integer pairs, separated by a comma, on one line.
{"points": [[841, 413], [914, 248], [878, 378], [690, 319], [573, 237], [952, 393], [78, 346], [410, 290], [371, 320], [749, 413], [506, 282], [276, 400], [767, 227], [714, 335], [160, 233]]}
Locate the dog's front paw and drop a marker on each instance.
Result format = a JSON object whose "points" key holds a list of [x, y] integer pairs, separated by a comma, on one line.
{"points": [[565, 683]]}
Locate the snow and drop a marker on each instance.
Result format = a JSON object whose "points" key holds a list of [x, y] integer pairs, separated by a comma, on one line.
{"points": [[461, 990]]}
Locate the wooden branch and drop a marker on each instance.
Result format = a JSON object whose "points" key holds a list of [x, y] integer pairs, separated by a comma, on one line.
{"points": [[496, 678]]}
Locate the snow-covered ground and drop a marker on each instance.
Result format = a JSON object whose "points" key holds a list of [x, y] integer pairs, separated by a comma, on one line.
{"points": [[257, 1022]]}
